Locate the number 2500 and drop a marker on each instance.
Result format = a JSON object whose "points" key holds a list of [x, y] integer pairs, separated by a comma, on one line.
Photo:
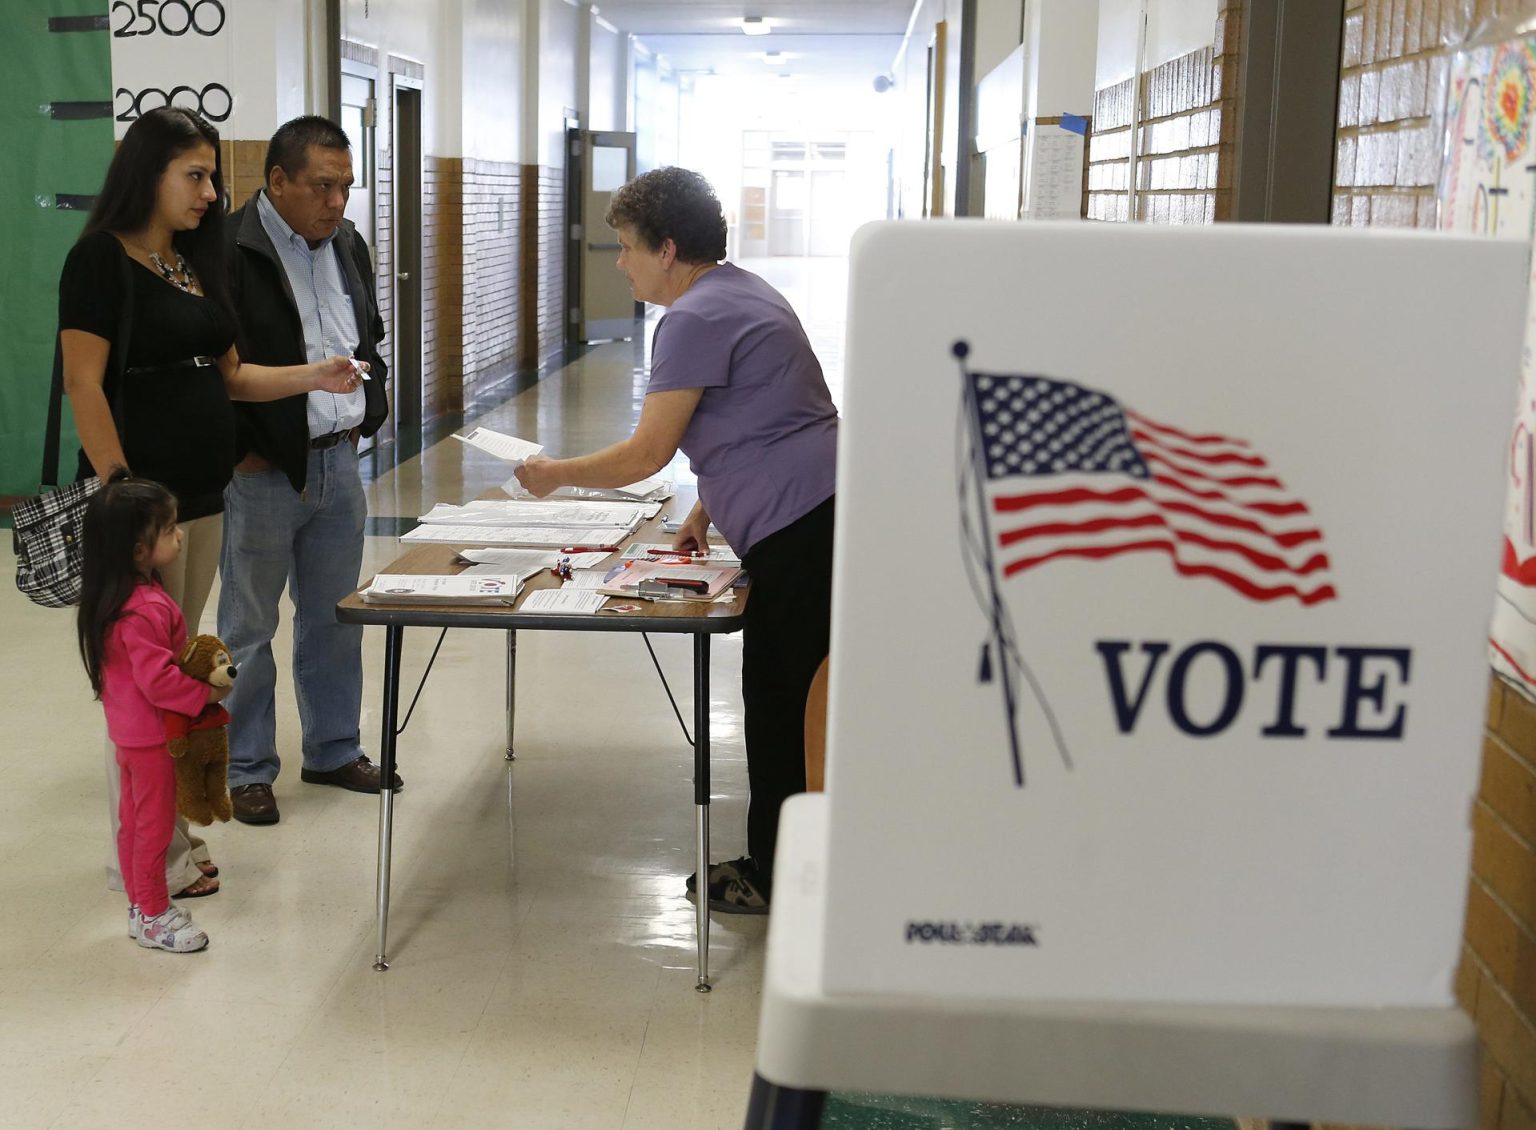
{"points": [[174, 17]]}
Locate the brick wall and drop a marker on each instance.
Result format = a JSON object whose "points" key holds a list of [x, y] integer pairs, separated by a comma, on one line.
{"points": [[1188, 114], [541, 264], [1393, 72], [1395, 56], [491, 282], [442, 286]]}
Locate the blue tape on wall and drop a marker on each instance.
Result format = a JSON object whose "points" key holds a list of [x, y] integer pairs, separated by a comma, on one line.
{"points": [[1075, 124]]}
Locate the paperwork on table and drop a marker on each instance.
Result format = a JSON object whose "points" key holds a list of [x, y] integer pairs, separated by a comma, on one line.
{"points": [[497, 512], [526, 562], [407, 588], [665, 580], [591, 538], [658, 551], [564, 600], [510, 448], [646, 490]]}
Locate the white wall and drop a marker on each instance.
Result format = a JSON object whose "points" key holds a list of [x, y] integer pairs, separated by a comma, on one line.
{"points": [[1174, 28], [999, 29], [413, 30], [608, 78], [559, 40], [493, 78]]}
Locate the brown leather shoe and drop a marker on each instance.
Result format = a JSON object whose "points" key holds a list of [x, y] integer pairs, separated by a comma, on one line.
{"points": [[361, 776], [254, 804]]}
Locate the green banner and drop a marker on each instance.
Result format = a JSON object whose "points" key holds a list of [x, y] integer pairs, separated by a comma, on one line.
{"points": [[56, 133]]}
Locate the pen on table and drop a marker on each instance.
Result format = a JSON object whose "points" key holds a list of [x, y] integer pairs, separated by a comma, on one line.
{"points": [[588, 549]]}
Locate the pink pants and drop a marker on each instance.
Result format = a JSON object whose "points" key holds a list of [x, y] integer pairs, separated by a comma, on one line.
{"points": [[146, 813]]}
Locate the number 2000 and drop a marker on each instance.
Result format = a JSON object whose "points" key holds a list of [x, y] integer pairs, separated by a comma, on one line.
{"points": [[173, 17]]}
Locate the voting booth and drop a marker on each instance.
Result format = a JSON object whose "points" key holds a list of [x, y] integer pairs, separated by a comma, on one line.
{"points": [[1164, 559]]}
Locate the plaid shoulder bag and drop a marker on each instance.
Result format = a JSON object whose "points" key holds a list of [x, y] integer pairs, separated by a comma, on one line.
{"points": [[47, 527]]}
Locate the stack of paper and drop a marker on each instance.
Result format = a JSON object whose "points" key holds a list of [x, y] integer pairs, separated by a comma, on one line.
{"points": [[646, 490], [658, 551], [495, 512], [576, 602], [407, 588], [588, 538], [669, 581]]}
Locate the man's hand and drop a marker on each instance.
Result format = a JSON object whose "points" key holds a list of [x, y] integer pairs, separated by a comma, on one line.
{"points": [[539, 475], [693, 535], [339, 374]]}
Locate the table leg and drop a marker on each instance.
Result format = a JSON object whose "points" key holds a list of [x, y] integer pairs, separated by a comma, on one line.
{"points": [[772, 1107], [393, 636], [511, 686], [701, 800]]}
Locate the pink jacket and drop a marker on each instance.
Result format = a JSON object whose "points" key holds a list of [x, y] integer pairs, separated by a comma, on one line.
{"points": [[139, 676]]}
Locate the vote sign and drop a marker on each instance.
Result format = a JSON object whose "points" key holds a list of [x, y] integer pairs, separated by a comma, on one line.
{"points": [[1163, 565]]}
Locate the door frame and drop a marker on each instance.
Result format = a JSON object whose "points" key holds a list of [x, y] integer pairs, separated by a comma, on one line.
{"points": [[406, 256]]}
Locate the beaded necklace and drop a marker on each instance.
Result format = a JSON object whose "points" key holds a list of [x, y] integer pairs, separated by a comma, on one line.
{"points": [[180, 275]]}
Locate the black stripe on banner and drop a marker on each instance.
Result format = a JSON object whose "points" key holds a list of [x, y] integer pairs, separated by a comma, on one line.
{"points": [[73, 202], [77, 23], [78, 111]]}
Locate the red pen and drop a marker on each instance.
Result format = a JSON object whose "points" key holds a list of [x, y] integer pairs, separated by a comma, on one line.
{"points": [[589, 549]]}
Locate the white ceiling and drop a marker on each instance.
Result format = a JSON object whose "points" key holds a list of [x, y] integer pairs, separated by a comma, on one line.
{"points": [[822, 38]]}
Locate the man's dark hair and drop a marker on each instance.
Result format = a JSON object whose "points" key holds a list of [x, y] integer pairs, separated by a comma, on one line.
{"points": [[676, 204], [289, 147]]}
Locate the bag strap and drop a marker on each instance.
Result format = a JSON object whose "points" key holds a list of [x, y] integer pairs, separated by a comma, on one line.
{"points": [[54, 438]]}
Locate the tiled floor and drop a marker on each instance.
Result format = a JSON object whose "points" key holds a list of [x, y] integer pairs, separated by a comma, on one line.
{"points": [[543, 952]]}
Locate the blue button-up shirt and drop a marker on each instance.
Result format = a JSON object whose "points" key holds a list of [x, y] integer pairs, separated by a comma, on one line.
{"points": [[325, 307]]}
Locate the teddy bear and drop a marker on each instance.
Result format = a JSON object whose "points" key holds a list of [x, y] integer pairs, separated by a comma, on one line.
{"points": [[200, 746]]}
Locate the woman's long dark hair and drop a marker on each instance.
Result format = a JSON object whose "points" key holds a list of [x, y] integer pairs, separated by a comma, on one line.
{"points": [[127, 198], [124, 514]]}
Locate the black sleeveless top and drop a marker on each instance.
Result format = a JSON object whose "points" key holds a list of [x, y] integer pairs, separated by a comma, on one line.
{"points": [[177, 425]]}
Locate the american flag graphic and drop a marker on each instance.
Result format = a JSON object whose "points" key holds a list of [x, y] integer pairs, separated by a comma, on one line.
{"points": [[1071, 473]]}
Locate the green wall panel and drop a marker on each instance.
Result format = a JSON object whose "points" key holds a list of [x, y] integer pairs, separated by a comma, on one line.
{"points": [[45, 157]]}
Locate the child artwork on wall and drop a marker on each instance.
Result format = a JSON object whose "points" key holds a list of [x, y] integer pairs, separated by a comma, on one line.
{"points": [[1488, 187]]}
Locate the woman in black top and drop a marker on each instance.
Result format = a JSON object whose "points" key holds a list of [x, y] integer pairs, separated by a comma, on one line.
{"points": [[149, 263]]}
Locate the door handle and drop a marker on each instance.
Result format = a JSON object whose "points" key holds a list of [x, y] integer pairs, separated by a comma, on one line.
{"points": [[604, 247], [403, 276]]}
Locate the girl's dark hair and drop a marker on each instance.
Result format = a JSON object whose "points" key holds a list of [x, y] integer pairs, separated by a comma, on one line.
{"points": [[127, 198], [125, 513], [676, 204]]}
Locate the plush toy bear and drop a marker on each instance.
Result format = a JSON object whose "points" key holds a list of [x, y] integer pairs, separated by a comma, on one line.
{"points": [[200, 746]]}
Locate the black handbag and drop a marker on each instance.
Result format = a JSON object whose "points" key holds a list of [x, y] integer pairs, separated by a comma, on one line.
{"points": [[47, 527]]}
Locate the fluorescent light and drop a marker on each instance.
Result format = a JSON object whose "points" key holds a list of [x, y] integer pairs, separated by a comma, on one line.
{"points": [[755, 25]]}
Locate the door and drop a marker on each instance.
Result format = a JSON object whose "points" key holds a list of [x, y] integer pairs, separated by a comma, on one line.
{"points": [[406, 309], [358, 113], [601, 162]]}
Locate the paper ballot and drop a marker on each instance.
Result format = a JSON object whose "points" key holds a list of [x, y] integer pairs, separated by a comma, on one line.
{"points": [[495, 512], [574, 601], [510, 448], [646, 490], [442, 589]]}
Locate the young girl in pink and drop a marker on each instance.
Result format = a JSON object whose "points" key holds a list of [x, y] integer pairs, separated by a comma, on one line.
{"points": [[130, 635]]}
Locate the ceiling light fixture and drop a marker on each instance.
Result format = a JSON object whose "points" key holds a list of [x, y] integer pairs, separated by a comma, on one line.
{"points": [[755, 25]]}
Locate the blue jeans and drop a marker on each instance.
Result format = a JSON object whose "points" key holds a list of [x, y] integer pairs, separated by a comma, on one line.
{"points": [[313, 543]]}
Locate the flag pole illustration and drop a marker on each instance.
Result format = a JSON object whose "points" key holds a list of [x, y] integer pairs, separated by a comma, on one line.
{"points": [[1064, 474]]}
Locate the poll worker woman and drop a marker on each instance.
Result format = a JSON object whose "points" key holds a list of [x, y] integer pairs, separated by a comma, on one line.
{"points": [[159, 403], [735, 385]]}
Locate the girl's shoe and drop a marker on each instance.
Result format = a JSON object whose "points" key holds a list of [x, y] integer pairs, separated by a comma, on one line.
{"points": [[135, 922], [171, 931]]}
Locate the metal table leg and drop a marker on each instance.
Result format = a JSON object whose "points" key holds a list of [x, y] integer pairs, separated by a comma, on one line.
{"points": [[701, 800], [511, 686], [393, 637]]}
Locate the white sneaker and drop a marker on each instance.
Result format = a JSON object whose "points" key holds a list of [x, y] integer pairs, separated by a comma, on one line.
{"points": [[171, 931], [135, 922]]}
